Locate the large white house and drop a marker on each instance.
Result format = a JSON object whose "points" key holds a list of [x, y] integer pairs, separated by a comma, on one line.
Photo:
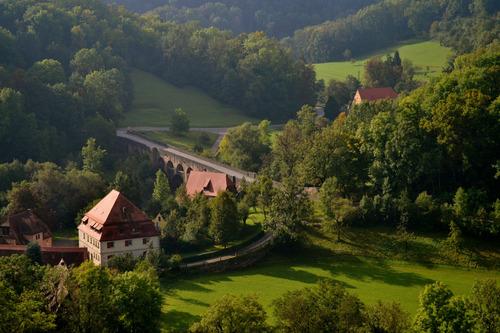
{"points": [[114, 227]]}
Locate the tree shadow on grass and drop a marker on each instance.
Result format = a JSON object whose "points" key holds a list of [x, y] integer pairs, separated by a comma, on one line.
{"points": [[368, 269], [193, 301], [177, 321], [185, 284]]}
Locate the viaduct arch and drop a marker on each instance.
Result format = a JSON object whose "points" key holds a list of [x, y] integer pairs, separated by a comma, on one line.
{"points": [[177, 163]]}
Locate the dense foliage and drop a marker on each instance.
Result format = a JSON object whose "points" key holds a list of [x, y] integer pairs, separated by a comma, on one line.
{"points": [[275, 17], [463, 25], [429, 158], [329, 307], [64, 72], [83, 299], [60, 196]]}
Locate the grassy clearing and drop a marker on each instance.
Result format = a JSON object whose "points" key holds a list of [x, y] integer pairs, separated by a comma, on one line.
{"points": [[155, 100], [429, 56], [66, 234], [187, 141], [250, 230], [371, 278]]}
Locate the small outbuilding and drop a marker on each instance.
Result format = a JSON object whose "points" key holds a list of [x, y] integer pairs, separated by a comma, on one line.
{"points": [[209, 183], [25, 227], [373, 94]]}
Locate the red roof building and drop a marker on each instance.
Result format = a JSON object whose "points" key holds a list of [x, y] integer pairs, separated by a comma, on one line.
{"points": [[115, 226], [25, 227], [373, 94], [208, 183]]}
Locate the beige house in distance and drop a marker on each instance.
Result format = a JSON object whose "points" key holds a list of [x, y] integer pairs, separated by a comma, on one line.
{"points": [[115, 227]]}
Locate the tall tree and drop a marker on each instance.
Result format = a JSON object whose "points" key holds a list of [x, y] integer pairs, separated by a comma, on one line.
{"points": [[224, 218], [290, 208], [233, 314], [93, 156], [179, 123]]}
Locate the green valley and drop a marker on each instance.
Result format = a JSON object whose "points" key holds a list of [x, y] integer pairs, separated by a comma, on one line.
{"points": [[428, 56]]}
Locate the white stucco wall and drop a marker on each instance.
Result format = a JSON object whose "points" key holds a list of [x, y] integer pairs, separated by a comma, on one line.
{"points": [[99, 251]]}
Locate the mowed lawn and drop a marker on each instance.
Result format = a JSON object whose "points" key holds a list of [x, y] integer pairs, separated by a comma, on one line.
{"points": [[429, 56], [370, 279], [155, 100]]}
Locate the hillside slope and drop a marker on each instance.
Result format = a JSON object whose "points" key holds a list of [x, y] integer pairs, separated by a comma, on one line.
{"points": [[155, 100], [429, 56]]}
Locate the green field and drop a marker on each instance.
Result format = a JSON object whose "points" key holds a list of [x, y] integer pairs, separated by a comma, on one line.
{"points": [[429, 56], [371, 278], [155, 100], [186, 142]]}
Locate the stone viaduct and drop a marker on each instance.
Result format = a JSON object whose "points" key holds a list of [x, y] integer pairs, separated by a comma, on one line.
{"points": [[177, 163]]}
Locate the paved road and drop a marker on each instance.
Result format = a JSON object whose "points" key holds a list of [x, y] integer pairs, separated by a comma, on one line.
{"points": [[257, 245], [123, 133], [218, 130]]}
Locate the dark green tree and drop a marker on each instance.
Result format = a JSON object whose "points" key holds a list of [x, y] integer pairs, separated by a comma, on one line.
{"points": [[233, 314], [224, 218], [93, 156], [34, 252], [179, 122]]}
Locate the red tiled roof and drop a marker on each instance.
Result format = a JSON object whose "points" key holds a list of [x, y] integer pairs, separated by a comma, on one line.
{"points": [[208, 183], [26, 223], [51, 255], [115, 218], [373, 94]]}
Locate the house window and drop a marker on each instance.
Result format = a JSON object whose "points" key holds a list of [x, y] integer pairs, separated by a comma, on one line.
{"points": [[145, 240], [128, 242], [111, 245], [110, 256]]}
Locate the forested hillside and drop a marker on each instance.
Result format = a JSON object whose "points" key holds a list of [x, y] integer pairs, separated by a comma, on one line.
{"points": [[275, 17], [429, 160], [64, 72], [463, 25]]}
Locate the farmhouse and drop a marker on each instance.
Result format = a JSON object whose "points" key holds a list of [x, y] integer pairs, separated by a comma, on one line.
{"points": [[25, 227], [208, 183], [115, 227], [373, 94]]}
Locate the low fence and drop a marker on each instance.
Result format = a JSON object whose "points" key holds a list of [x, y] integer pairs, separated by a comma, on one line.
{"points": [[240, 260], [50, 255], [225, 252]]}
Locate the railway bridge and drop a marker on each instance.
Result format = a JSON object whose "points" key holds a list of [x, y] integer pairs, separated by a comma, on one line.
{"points": [[177, 163]]}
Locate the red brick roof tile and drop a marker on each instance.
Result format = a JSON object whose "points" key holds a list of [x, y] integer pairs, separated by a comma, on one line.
{"points": [[208, 183], [373, 94]]}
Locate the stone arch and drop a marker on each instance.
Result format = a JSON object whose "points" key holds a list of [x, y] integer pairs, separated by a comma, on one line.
{"points": [[188, 171], [176, 181], [161, 164], [170, 171], [179, 168]]}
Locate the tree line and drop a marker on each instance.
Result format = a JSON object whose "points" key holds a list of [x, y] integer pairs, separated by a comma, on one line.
{"points": [[64, 72], [36, 298], [428, 160], [462, 25], [276, 18], [329, 307]]}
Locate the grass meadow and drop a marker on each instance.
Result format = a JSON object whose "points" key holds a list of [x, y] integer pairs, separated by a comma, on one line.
{"points": [[373, 274], [155, 100], [429, 56], [186, 141]]}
